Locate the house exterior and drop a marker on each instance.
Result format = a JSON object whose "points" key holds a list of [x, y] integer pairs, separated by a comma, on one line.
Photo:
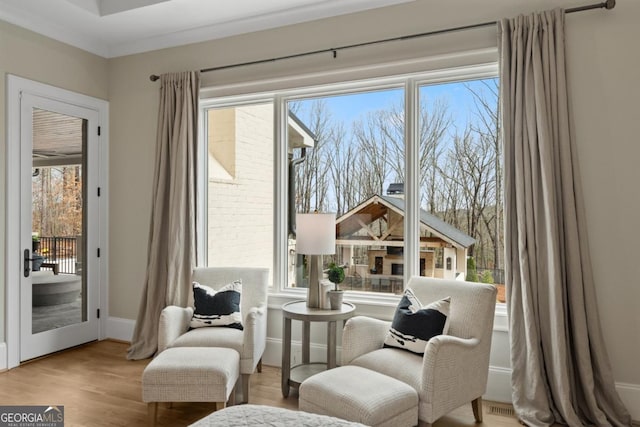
{"points": [[240, 183], [377, 224]]}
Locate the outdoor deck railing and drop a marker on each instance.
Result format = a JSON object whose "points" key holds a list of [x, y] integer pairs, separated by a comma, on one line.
{"points": [[61, 251], [373, 283]]}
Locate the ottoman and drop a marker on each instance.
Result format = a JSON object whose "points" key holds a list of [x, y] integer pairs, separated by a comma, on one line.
{"points": [[358, 394], [190, 374]]}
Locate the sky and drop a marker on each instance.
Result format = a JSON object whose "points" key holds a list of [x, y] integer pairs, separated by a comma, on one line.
{"points": [[349, 108]]}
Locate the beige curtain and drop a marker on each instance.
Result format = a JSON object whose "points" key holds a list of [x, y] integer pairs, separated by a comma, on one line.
{"points": [[561, 371], [172, 235]]}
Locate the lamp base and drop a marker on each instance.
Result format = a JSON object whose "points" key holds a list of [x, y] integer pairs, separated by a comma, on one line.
{"points": [[313, 295]]}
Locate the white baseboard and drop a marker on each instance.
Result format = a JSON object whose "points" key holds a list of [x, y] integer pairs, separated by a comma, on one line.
{"points": [[498, 385], [273, 352], [3, 356], [120, 329], [630, 395], [499, 390]]}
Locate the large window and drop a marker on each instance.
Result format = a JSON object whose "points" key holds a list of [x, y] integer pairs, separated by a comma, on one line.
{"points": [[460, 176], [354, 170], [419, 200]]}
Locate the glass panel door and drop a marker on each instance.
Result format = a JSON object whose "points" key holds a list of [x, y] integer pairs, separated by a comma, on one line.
{"points": [[58, 220], [58, 289]]}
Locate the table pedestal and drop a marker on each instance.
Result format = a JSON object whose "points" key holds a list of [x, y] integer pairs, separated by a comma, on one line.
{"points": [[293, 376]]}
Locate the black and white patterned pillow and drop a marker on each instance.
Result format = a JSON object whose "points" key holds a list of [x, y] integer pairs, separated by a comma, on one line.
{"points": [[217, 308], [414, 325]]}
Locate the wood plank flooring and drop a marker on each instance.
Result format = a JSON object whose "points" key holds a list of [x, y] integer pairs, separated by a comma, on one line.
{"points": [[100, 388]]}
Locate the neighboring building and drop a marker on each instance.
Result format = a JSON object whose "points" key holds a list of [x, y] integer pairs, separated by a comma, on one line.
{"points": [[240, 186], [371, 240]]}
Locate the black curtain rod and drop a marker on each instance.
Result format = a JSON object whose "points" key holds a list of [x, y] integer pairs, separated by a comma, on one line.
{"points": [[607, 4]]}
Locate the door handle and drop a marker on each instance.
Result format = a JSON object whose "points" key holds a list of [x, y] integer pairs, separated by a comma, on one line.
{"points": [[27, 260]]}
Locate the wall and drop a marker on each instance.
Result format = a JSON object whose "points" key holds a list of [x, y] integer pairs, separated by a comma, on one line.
{"points": [[134, 99], [602, 64], [26, 54]]}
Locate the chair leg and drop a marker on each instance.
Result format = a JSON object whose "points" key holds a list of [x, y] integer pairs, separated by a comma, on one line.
{"points": [[152, 411], [476, 404], [260, 365], [245, 388]]}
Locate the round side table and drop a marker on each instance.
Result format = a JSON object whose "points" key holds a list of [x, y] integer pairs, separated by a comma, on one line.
{"points": [[292, 376]]}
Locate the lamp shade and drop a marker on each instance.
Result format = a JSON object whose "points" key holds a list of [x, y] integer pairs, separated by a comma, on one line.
{"points": [[316, 233]]}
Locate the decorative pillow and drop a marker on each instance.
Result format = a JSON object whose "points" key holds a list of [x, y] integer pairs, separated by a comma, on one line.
{"points": [[217, 308], [413, 325]]}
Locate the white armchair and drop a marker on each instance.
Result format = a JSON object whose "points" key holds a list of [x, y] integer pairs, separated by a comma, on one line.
{"points": [[454, 368], [173, 330]]}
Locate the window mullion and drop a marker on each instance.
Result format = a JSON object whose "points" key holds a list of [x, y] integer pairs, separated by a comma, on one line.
{"points": [[280, 229], [412, 202], [202, 186]]}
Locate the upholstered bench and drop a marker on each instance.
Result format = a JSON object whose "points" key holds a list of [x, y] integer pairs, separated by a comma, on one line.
{"points": [[190, 374], [361, 395]]}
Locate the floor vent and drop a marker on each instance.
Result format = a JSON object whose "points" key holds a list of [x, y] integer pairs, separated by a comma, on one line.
{"points": [[503, 409]]}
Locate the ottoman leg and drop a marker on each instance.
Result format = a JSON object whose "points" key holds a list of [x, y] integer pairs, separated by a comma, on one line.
{"points": [[152, 411], [220, 405]]}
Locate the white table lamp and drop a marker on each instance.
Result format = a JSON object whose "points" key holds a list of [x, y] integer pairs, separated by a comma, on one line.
{"points": [[315, 235]]}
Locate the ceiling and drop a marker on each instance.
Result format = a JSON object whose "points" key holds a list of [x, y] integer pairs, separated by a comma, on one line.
{"points": [[112, 28], [57, 138]]}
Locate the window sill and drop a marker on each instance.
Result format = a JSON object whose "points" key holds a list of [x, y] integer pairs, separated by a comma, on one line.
{"points": [[378, 306]]}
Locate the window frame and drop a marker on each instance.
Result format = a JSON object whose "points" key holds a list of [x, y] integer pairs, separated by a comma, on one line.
{"points": [[411, 84]]}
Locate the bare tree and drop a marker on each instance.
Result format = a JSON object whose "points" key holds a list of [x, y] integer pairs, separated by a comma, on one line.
{"points": [[311, 175], [342, 166], [434, 122], [474, 161], [57, 201], [460, 173], [374, 153], [487, 125], [450, 192]]}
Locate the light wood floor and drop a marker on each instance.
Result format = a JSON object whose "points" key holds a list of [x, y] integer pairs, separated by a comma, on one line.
{"points": [[99, 387]]}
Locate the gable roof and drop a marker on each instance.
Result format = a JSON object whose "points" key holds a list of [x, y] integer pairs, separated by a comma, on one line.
{"points": [[376, 206]]}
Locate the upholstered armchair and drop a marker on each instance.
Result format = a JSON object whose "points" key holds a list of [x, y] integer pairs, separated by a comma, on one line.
{"points": [[173, 330], [454, 368]]}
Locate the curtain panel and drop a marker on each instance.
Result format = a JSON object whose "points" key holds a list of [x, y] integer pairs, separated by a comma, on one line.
{"points": [[561, 371], [172, 234]]}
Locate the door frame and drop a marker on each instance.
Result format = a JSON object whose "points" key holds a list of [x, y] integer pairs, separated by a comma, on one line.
{"points": [[13, 256]]}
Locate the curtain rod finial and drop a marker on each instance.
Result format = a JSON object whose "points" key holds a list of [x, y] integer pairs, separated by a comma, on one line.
{"points": [[610, 4], [153, 77]]}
